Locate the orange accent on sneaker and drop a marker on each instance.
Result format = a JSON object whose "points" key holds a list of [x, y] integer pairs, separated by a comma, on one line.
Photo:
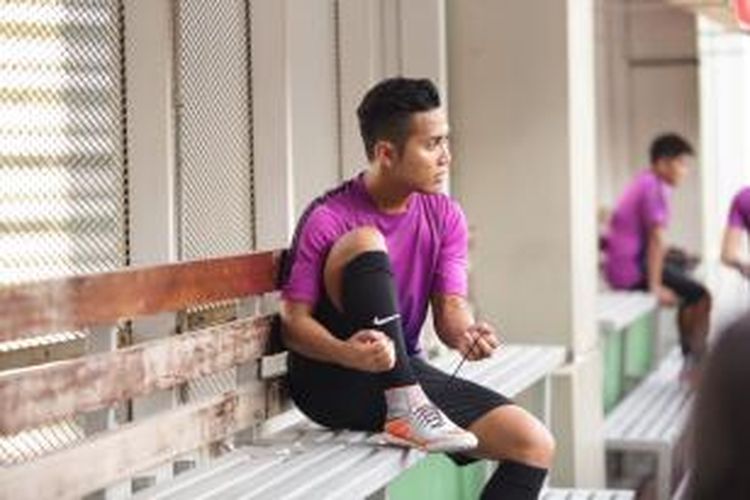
{"points": [[400, 428]]}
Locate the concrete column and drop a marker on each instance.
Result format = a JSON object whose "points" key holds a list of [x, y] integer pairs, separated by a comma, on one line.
{"points": [[272, 129], [725, 125], [521, 77]]}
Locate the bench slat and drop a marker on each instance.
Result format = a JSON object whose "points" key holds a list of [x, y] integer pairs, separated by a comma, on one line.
{"points": [[44, 393], [135, 447], [664, 378], [569, 494], [371, 474], [256, 463], [290, 482], [616, 310], [73, 303]]}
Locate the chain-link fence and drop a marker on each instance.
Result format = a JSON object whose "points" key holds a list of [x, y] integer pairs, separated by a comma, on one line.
{"points": [[62, 165]]}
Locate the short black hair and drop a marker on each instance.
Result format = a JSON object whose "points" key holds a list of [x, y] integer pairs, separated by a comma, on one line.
{"points": [[668, 146], [385, 111]]}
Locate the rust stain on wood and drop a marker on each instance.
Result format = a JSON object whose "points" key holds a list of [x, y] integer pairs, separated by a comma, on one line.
{"points": [[81, 301], [45, 393]]}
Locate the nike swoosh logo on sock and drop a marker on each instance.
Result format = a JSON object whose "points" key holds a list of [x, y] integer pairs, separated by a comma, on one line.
{"points": [[382, 321]]}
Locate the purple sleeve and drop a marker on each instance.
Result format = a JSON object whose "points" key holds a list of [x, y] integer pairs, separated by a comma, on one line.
{"points": [[739, 207], [313, 243], [654, 210], [450, 274]]}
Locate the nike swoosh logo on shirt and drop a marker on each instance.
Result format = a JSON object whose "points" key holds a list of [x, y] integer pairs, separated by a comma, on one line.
{"points": [[382, 321]]}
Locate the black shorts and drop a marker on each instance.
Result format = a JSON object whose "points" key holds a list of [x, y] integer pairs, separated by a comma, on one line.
{"points": [[341, 398], [676, 278]]}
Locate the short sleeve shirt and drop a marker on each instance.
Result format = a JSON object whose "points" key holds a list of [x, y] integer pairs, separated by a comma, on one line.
{"points": [[643, 205], [427, 246], [739, 212]]}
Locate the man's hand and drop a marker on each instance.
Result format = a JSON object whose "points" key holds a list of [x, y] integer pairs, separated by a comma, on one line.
{"points": [[665, 296], [370, 351], [479, 341], [744, 269]]}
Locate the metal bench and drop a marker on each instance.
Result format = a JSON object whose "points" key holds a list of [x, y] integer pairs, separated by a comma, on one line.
{"points": [[561, 494], [617, 310], [652, 418], [625, 355], [297, 459]]}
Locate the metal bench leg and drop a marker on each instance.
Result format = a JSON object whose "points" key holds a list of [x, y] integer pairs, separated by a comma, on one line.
{"points": [[381, 494], [664, 474], [546, 401]]}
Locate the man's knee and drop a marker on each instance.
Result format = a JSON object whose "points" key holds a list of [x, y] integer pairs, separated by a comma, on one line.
{"points": [[347, 247], [357, 241], [535, 447], [518, 436]]}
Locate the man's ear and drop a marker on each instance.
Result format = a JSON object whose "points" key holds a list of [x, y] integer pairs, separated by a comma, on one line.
{"points": [[385, 153]]}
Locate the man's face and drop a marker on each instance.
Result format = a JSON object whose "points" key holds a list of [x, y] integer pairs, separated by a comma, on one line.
{"points": [[424, 161], [675, 169]]}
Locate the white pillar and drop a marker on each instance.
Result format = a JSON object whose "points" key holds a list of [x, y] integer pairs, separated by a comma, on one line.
{"points": [[522, 111], [725, 125], [272, 130]]}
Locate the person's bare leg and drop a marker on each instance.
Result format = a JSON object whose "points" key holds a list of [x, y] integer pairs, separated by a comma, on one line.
{"points": [[523, 446]]}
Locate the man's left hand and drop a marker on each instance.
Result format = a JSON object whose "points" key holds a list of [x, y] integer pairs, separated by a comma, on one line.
{"points": [[479, 341]]}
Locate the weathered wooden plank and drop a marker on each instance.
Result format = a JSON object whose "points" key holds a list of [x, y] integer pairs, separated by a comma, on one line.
{"points": [[76, 302], [50, 348], [102, 461], [44, 393]]}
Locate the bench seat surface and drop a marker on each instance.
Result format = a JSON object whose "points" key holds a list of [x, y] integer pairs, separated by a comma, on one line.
{"points": [[306, 461], [569, 494], [616, 310], [654, 414]]}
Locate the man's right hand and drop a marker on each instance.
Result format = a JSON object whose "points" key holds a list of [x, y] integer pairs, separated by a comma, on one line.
{"points": [[665, 296], [743, 268], [370, 351]]}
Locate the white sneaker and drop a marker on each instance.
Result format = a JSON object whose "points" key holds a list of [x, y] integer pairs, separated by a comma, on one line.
{"points": [[429, 429]]}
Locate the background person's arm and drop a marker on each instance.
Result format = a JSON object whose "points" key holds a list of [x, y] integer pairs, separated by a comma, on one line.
{"points": [[656, 250], [730, 250], [456, 327]]}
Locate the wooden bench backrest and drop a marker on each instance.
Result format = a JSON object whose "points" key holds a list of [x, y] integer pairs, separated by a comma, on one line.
{"points": [[46, 393]]}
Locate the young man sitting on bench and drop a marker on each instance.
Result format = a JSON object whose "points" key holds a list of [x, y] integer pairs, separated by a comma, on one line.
{"points": [[367, 259]]}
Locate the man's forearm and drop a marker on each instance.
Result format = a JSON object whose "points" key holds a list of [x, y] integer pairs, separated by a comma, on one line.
{"points": [[453, 317], [655, 262], [730, 249], [308, 337]]}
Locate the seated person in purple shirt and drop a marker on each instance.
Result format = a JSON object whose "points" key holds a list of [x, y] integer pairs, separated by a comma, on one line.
{"points": [[636, 248], [738, 223], [367, 260]]}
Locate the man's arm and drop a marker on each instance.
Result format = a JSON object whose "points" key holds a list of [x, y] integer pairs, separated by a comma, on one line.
{"points": [[366, 350], [456, 327], [730, 250], [656, 250]]}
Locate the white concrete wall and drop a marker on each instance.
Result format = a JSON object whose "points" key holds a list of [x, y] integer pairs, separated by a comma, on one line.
{"points": [[379, 39], [313, 98], [521, 81], [309, 75]]}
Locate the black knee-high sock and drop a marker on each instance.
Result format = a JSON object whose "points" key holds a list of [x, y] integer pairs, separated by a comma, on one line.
{"points": [[514, 481], [683, 329], [370, 301]]}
